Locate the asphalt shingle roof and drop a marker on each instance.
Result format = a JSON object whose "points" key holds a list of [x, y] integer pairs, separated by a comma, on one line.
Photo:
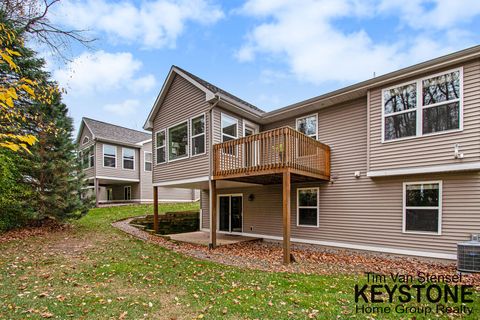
{"points": [[216, 89], [112, 132]]}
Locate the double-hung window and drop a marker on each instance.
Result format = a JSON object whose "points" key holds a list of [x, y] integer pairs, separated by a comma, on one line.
{"points": [[109, 156], [88, 157], [128, 158], [197, 126], [148, 161], [178, 141], [308, 125], [426, 106], [160, 147], [307, 207], [422, 203], [229, 128]]}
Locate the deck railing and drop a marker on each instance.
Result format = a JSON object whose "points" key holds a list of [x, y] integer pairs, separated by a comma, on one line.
{"points": [[271, 152]]}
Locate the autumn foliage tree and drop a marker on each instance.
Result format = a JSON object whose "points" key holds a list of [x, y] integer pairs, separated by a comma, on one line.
{"points": [[40, 170]]}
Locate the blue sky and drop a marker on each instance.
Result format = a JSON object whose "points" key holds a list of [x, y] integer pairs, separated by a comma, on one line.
{"points": [[269, 52]]}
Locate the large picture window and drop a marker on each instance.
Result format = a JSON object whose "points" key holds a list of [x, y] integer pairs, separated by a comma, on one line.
{"points": [[422, 207], [109, 156], [307, 207], [427, 106], [160, 142], [128, 158], [178, 142], [308, 126], [198, 135]]}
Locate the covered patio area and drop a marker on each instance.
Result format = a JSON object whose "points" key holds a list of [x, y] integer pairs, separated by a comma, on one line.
{"points": [[203, 238]]}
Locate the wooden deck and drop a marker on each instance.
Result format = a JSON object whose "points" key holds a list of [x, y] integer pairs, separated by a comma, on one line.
{"points": [[264, 157]]}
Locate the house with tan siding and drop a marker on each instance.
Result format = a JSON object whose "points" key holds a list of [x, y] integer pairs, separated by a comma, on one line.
{"points": [[390, 164], [117, 162]]}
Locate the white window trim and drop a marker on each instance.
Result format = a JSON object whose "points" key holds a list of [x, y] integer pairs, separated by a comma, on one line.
{"points": [[157, 147], [191, 136], [247, 123], [123, 159], [125, 189], [317, 189], [440, 196], [167, 142], [316, 124], [224, 115], [103, 158], [145, 161], [85, 140], [419, 108]]}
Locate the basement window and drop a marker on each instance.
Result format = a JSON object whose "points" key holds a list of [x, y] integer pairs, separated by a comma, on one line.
{"points": [[307, 207], [422, 211]]}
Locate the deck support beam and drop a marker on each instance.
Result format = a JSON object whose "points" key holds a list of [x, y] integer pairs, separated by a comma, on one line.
{"points": [[155, 209], [286, 216], [213, 214]]}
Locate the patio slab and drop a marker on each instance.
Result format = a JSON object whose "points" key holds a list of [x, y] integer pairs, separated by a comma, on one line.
{"points": [[203, 238]]}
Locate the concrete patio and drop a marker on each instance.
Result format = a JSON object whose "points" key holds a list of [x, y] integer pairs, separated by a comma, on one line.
{"points": [[203, 238]]}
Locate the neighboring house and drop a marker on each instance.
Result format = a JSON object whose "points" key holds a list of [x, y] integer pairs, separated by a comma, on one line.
{"points": [[117, 162], [391, 164]]}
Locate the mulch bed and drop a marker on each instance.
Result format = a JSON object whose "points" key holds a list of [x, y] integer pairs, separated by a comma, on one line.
{"points": [[267, 256]]}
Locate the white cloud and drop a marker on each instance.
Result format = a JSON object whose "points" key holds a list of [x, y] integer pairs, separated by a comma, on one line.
{"points": [[102, 71], [126, 108], [154, 24], [309, 40]]}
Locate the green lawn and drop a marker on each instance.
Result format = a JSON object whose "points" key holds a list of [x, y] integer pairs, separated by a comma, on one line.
{"points": [[94, 271]]}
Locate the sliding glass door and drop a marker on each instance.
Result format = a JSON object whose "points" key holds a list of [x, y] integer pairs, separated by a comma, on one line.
{"points": [[230, 213]]}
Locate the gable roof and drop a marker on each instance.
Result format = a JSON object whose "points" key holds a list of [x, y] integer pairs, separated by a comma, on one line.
{"points": [[212, 92], [217, 90], [114, 133]]}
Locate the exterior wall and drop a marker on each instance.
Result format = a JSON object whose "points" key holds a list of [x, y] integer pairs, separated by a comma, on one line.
{"points": [[118, 191], [205, 206], [117, 172], [429, 150], [362, 211], [90, 172], [183, 101], [146, 186]]}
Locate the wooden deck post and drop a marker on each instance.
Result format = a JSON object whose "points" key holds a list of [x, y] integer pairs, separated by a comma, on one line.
{"points": [[97, 192], [155, 209], [213, 214], [286, 216]]}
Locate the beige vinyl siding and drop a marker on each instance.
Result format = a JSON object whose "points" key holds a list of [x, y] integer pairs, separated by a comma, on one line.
{"points": [[429, 150], [117, 172], [363, 211], [146, 186], [205, 206], [90, 172], [119, 189], [182, 102]]}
